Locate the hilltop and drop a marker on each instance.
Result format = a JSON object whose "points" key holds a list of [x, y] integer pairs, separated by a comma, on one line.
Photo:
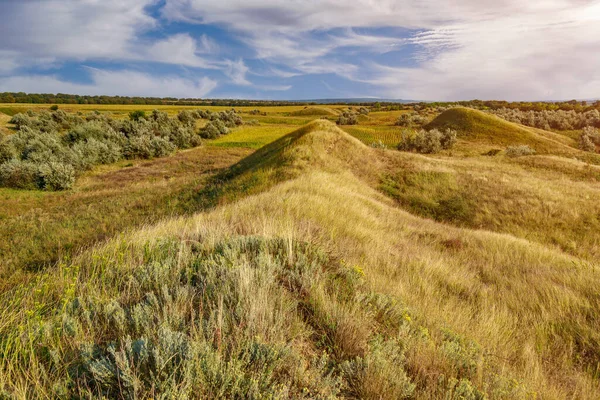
{"points": [[478, 126], [306, 280], [314, 111]]}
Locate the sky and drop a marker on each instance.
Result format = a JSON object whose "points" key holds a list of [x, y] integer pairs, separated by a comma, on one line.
{"points": [[303, 49]]}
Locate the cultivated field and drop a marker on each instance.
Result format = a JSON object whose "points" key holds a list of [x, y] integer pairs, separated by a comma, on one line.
{"points": [[293, 258]]}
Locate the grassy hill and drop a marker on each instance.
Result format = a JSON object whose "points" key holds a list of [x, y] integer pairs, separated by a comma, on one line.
{"points": [[475, 125], [314, 111], [305, 280]]}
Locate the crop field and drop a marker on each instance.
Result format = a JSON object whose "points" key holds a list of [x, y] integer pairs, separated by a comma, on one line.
{"points": [[404, 253]]}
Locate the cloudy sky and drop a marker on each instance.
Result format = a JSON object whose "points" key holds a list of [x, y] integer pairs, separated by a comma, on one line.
{"points": [[303, 49]]}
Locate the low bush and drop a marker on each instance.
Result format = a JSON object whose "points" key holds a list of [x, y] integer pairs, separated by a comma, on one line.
{"points": [[137, 115], [589, 139], [347, 118], [56, 176], [214, 129], [19, 174], [428, 142], [411, 120], [7, 150], [519, 151], [50, 149], [551, 119]]}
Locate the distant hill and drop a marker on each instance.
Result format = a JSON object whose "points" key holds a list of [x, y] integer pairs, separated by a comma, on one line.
{"points": [[479, 126], [311, 111]]}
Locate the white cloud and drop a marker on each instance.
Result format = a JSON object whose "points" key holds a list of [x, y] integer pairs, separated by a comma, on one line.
{"points": [[236, 71], [178, 49], [93, 30], [75, 29], [472, 48], [117, 83]]}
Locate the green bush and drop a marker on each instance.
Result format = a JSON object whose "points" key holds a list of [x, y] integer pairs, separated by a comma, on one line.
{"points": [[53, 107], [186, 117], [427, 142], [589, 138], [148, 147], [411, 120], [347, 118], [137, 115], [56, 176], [7, 150], [214, 129], [48, 156], [19, 174], [20, 120], [519, 151]]}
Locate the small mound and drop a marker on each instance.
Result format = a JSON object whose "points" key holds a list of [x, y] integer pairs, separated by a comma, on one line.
{"points": [[314, 111], [478, 126]]}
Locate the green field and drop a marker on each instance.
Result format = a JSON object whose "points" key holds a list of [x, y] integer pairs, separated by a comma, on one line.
{"points": [[290, 258]]}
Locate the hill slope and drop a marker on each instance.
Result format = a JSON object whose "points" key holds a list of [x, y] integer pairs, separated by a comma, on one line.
{"points": [[479, 126], [313, 285], [314, 111]]}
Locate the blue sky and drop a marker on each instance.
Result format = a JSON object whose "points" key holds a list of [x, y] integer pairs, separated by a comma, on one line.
{"points": [[303, 49]]}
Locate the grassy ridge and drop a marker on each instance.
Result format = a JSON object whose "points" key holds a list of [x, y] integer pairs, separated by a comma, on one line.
{"points": [[474, 125], [313, 285]]}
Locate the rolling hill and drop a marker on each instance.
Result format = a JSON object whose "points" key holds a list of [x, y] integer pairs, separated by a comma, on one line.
{"points": [[319, 273], [478, 126]]}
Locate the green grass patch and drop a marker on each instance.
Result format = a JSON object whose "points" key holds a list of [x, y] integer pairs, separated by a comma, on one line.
{"points": [[430, 194], [252, 137]]}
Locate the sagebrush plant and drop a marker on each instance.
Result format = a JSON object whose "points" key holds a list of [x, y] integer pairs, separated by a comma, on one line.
{"points": [[347, 117], [589, 139], [519, 151], [410, 120], [210, 321], [50, 149], [428, 141], [550, 119]]}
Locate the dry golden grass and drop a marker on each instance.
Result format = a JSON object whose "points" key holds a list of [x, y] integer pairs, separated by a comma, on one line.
{"points": [[440, 311]]}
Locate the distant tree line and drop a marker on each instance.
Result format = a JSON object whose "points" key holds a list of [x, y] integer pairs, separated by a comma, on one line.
{"points": [[61, 98]]}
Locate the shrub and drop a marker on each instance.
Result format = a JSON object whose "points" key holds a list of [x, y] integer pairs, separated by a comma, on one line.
{"points": [[184, 137], [139, 147], [20, 120], [56, 176], [214, 129], [161, 146], [53, 107], [92, 152], [19, 174], [428, 142], [519, 151], [230, 118], [186, 117], [94, 130], [137, 115], [202, 114], [589, 138], [448, 139], [160, 117], [410, 120], [347, 118], [7, 150], [425, 142]]}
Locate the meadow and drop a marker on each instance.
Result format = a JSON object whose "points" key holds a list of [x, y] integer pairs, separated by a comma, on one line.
{"points": [[293, 258]]}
